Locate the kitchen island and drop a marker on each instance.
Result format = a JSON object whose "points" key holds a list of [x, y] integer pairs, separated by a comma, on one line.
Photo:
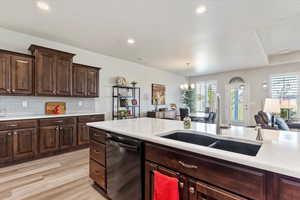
{"points": [[210, 173]]}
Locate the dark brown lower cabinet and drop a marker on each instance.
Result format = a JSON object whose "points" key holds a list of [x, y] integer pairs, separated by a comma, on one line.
{"points": [[98, 157], [198, 190], [57, 134], [24, 143], [83, 134], [98, 173], [6, 146], [67, 136], [189, 188], [285, 188], [49, 139], [83, 137], [24, 140], [149, 180]]}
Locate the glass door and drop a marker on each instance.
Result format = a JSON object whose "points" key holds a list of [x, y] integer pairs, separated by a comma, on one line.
{"points": [[237, 104]]}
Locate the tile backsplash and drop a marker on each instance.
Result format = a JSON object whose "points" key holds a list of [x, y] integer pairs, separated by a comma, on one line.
{"points": [[36, 105]]}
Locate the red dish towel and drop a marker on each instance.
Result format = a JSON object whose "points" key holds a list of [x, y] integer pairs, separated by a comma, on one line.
{"points": [[165, 187]]}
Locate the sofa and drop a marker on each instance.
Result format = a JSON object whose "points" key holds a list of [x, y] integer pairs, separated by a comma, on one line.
{"points": [[269, 121]]}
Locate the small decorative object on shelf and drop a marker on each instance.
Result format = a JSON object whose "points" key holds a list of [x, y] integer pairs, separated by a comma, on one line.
{"points": [[123, 102], [126, 102], [134, 102], [133, 83], [121, 81], [187, 122]]}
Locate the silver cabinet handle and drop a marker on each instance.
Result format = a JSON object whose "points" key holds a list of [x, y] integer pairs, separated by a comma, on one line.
{"points": [[12, 125], [15, 133], [187, 165], [181, 185], [192, 190], [9, 134], [60, 121], [13, 90], [8, 90]]}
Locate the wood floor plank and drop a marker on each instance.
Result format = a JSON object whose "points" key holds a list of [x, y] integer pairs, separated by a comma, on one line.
{"points": [[63, 177]]}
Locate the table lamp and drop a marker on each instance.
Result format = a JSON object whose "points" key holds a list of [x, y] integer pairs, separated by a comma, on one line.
{"points": [[272, 106]]}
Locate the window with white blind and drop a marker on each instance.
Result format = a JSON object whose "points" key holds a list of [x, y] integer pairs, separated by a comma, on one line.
{"points": [[286, 87], [206, 95]]}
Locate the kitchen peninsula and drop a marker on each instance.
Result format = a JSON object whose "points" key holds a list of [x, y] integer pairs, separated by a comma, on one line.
{"points": [[205, 172]]}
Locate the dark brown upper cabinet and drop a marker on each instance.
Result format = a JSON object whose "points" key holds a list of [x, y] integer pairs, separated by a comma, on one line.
{"points": [[85, 81], [53, 71], [16, 77]]}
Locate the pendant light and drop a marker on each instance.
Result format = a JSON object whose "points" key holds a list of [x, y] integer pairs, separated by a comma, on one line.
{"points": [[187, 85]]}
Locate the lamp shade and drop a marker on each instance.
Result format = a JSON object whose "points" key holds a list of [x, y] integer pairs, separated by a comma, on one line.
{"points": [[272, 105], [288, 103]]}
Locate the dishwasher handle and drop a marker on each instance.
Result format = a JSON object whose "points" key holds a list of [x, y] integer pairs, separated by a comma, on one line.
{"points": [[129, 147], [125, 146]]}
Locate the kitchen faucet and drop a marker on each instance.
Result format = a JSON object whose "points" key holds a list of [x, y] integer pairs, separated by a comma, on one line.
{"points": [[218, 113]]}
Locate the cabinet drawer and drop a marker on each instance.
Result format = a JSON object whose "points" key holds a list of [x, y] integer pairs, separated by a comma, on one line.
{"points": [[97, 135], [286, 188], [198, 189], [241, 180], [90, 118], [97, 152], [57, 121], [97, 173], [8, 125]]}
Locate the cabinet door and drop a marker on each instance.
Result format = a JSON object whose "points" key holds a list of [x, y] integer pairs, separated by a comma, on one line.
{"points": [[83, 134], [63, 76], [93, 82], [67, 136], [24, 143], [79, 80], [45, 73], [21, 75], [5, 64], [149, 180], [201, 191], [49, 139], [286, 188], [5, 146]]}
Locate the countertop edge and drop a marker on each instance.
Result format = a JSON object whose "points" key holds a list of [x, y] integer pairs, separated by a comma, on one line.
{"points": [[29, 117], [209, 152]]}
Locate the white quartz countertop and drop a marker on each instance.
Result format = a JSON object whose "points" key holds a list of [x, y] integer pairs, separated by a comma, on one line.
{"points": [[12, 117], [279, 153]]}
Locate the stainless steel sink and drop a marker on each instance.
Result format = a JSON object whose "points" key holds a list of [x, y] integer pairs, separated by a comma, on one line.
{"points": [[215, 142]]}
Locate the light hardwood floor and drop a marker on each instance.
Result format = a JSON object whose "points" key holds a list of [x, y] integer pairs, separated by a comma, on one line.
{"points": [[63, 177]]}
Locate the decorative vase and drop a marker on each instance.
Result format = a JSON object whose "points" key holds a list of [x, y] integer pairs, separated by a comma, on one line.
{"points": [[187, 122]]}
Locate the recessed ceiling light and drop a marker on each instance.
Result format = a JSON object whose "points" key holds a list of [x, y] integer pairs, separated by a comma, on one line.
{"points": [[130, 41], [43, 5], [201, 10]]}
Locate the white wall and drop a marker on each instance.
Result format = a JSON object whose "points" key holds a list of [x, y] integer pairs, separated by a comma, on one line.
{"points": [[254, 78], [111, 68]]}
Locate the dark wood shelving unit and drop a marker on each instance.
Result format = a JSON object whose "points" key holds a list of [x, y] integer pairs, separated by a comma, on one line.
{"points": [[131, 94]]}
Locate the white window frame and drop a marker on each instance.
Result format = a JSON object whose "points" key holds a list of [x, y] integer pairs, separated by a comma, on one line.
{"points": [[206, 82], [298, 91]]}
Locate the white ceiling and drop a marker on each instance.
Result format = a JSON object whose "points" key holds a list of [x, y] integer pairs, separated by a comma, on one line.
{"points": [[232, 34]]}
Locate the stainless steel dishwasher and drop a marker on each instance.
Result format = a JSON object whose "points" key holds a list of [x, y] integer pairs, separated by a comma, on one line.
{"points": [[124, 168]]}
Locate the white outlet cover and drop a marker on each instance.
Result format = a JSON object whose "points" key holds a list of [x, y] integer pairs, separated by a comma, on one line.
{"points": [[80, 103], [24, 104]]}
